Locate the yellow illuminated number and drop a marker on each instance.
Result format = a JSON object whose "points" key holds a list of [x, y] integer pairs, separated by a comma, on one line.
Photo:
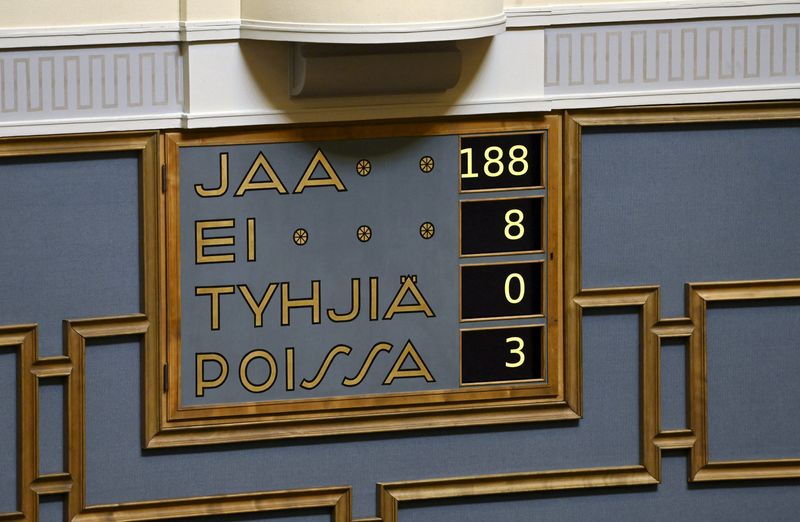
{"points": [[493, 161], [520, 158], [514, 219], [516, 351], [520, 294], [468, 173]]}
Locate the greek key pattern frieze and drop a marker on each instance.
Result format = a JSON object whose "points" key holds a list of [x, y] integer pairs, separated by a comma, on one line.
{"points": [[90, 82], [670, 56]]}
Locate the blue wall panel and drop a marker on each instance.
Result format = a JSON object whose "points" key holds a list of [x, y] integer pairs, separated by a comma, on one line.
{"points": [[753, 384], [674, 411], [51, 426], [661, 206], [71, 240]]}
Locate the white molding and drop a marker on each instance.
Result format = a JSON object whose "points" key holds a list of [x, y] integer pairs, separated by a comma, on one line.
{"points": [[210, 30], [373, 33], [620, 12], [676, 96], [486, 106], [494, 106], [80, 35], [513, 17], [361, 112], [81, 125]]}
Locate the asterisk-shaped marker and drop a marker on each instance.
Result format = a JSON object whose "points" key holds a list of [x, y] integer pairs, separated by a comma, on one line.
{"points": [[300, 236], [364, 233], [426, 230], [426, 164], [363, 167]]}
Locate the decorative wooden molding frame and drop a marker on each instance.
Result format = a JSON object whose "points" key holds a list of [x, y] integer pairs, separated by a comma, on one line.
{"points": [[72, 483], [70, 368], [700, 294], [692, 328], [647, 473], [180, 425], [22, 338], [653, 329]]}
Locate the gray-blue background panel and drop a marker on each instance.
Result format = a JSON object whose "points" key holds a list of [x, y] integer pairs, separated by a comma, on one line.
{"points": [[674, 412], [51, 426], [669, 205], [753, 385], [70, 236]]}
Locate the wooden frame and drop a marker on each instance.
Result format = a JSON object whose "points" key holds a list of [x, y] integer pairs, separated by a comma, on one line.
{"points": [[653, 329], [70, 367], [22, 338], [390, 495], [691, 328], [187, 425], [648, 473], [700, 294]]}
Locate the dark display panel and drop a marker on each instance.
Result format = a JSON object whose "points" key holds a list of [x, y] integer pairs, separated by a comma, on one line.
{"points": [[496, 355], [501, 226], [501, 162], [504, 290]]}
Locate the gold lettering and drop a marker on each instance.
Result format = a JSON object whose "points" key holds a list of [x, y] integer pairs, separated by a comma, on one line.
{"points": [[398, 373], [223, 180], [274, 182], [331, 181], [251, 239], [373, 298], [266, 385], [200, 383], [214, 292], [336, 350], [408, 285], [289, 369], [258, 307], [201, 242], [312, 302], [355, 307], [355, 381]]}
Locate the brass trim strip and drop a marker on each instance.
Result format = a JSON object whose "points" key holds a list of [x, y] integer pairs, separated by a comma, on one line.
{"points": [[23, 338], [58, 366], [675, 439], [259, 420], [700, 294], [391, 494], [675, 327], [337, 499], [52, 484]]}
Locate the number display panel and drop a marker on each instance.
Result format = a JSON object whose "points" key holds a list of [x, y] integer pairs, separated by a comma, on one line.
{"points": [[316, 275], [502, 355]]}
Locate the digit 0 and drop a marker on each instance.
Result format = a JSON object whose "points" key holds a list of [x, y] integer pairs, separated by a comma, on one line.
{"points": [[521, 291], [516, 351], [514, 219]]}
